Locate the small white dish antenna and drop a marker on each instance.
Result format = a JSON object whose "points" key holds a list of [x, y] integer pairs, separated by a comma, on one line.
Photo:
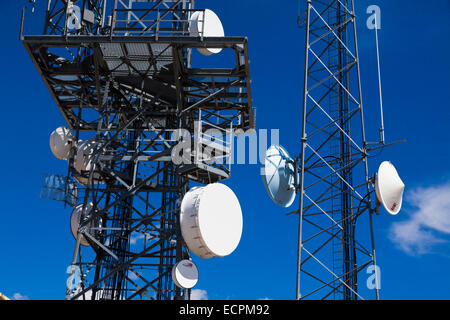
{"points": [[77, 216], [83, 160], [389, 188], [61, 140], [278, 174], [207, 24], [211, 220], [185, 274]]}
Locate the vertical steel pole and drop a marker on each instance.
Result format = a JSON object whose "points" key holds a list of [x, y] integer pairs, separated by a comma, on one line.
{"points": [[47, 15], [102, 22], [379, 82], [74, 260], [302, 156], [365, 150]]}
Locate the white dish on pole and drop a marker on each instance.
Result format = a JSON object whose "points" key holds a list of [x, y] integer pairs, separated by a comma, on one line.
{"points": [[83, 161], [206, 24], [78, 216], [278, 174], [61, 140], [211, 220], [389, 188], [185, 274]]}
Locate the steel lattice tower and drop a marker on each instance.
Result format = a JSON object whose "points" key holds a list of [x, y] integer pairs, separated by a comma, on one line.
{"points": [[121, 75], [336, 240]]}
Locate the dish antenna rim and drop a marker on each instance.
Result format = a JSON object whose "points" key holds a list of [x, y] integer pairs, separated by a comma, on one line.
{"points": [[285, 192], [387, 182]]}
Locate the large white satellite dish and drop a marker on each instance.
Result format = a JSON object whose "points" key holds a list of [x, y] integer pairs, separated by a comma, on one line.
{"points": [[389, 188], [77, 216], [211, 220], [279, 176], [206, 24], [185, 274], [83, 161], [61, 140]]}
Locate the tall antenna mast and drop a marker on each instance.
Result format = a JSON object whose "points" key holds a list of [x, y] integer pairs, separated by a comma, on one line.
{"points": [[334, 179], [120, 73]]}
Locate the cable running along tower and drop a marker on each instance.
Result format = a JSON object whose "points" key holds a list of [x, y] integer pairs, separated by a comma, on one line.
{"points": [[125, 78]]}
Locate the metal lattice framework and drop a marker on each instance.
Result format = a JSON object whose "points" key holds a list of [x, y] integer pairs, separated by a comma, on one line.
{"points": [[120, 73], [336, 240]]}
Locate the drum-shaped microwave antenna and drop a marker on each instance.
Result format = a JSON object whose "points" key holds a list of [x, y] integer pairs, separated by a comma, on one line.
{"points": [[278, 174], [61, 140], [185, 274], [211, 220], [207, 24], [77, 216], [83, 161], [389, 188]]}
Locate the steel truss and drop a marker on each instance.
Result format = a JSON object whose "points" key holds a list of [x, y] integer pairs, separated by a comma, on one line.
{"points": [[125, 80], [334, 185]]}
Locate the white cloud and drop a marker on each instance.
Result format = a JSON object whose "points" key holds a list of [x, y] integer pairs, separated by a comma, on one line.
{"points": [[135, 237], [138, 236], [427, 224], [19, 296], [199, 294], [132, 275]]}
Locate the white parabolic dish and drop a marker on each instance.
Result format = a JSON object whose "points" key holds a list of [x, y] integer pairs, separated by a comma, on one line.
{"points": [[207, 24], [389, 188], [185, 274], [278, 176], [75, 219], [60, 142], [83, 160], [211, 220]]}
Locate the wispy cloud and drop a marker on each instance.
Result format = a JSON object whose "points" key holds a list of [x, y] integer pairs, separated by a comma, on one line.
{"points": [[132, 275], [199, 294], [135, 237], [19, 296], [428, 224]]}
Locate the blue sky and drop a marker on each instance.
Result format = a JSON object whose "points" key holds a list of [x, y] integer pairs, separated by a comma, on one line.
{"points": [[36, 245]]}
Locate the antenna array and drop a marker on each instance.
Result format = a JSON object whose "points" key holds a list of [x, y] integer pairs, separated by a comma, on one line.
{"points": [[121, 75]]}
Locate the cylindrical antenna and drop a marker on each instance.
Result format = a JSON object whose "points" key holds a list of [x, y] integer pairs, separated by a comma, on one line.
{"points": [[379, 82]]}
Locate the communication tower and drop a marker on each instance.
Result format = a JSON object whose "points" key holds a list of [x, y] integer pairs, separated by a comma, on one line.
{"points": [[331, 173], [122, 74]]}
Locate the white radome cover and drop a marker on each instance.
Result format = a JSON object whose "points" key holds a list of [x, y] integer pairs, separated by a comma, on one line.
{"points": [[75, 218], [278, 176], [389, 188], [211, 220], [83, 160], [60, 142], [212, 28], [185, 274]]}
